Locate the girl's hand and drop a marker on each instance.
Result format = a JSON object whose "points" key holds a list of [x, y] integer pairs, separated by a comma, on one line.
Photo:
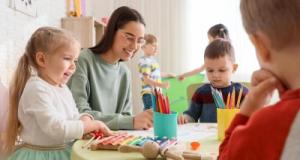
{"points": [[181, 119], [104, 129], [172, 75], [263, 84], [95, 125], [100, 134], [181, 77]]}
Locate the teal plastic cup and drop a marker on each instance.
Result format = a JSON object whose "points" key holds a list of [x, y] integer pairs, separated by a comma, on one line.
{"points": [[165, 125]]}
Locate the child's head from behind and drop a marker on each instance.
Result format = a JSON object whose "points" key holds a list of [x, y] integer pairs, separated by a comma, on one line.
{"points": [[274, 28], [277, 20], [218, 31], [52, 53], [219, 61], [150, 46]]}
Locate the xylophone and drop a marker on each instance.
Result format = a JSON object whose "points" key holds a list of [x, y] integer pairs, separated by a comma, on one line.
{"points": [[148, 146], [98, 141]]}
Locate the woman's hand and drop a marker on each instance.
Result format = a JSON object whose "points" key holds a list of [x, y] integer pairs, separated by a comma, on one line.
{"points": [[143, 120], [263, 84], [86, 117]]}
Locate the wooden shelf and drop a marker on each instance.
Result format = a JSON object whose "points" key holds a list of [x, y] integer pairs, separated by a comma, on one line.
{"points": [[86, 29]]}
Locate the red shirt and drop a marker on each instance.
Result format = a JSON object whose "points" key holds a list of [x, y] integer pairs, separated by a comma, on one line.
{"points": [[263, 135]]}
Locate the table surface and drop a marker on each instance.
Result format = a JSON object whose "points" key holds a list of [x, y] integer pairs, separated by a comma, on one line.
{"points": [[205, 133]]}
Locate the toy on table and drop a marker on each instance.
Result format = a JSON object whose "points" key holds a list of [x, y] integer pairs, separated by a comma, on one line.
{"points": [[97, 141], [113, 142], [93, 136], [151, 150], [195, 145]]}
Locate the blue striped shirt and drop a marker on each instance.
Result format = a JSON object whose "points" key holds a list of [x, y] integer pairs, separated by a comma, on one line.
{"points": [[202, 106]]}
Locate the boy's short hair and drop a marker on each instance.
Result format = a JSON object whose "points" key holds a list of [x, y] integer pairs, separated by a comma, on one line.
{"points": [[219, 48], [150, 39], [279, 20]]}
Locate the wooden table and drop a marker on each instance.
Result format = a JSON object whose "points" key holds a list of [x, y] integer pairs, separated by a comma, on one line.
{"points": [[205, 133]]}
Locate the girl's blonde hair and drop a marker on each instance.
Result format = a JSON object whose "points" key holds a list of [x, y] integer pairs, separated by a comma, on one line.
{"points": [[47, 40]]}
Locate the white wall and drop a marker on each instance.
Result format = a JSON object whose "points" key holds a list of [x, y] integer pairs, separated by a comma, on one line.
{"points": [[16, 28], [204, 14]]}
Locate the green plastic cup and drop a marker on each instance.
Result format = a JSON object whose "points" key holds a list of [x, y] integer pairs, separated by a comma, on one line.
{"points": [[165, 125]]}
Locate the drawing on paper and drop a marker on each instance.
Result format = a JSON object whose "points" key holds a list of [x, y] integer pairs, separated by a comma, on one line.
{"points": [[26, 6]]}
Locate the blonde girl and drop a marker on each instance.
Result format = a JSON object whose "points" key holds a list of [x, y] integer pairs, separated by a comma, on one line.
{"points": [[42, 115]]}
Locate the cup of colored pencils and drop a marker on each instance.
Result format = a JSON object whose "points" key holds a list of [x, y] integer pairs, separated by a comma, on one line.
{"points": [[164, 120], [224, 118], [226, 111]]}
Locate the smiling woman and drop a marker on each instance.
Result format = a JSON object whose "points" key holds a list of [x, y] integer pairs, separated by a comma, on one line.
{"points": [[101, 84], [130, 38]]}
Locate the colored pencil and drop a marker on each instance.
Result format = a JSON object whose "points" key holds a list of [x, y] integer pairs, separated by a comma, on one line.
{"points": [[232, 100], [228, 100], [240, 97]]}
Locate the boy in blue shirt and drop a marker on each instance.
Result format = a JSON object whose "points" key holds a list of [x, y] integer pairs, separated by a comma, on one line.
{"points": [[219, 61]]}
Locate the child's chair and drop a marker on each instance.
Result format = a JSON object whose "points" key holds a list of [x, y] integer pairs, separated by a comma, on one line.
{"points": [[191, 90]]}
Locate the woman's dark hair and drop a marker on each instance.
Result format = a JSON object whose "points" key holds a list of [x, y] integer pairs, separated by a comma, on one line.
{"points": [[118, 19], [219, 31]]}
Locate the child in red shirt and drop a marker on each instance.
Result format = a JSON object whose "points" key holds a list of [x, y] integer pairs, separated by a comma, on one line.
{"points": [[272, 132]]}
